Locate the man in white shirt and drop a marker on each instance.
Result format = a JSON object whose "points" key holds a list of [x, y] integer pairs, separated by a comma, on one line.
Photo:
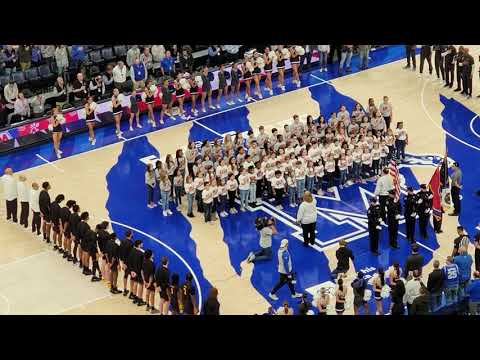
{"points": [[23, 197], [384, 185], [119, 75], [35, 206], [10, 194]]}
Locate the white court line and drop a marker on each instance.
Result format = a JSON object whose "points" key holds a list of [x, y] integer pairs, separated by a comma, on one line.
{"points": [[7, 301], [205, 127], [200, 300], [49, 163], [82, 304], [323, 81], [471, 126], [439, 126]]}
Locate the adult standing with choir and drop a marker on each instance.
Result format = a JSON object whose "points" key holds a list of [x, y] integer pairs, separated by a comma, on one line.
{"points": [[307, 218]]}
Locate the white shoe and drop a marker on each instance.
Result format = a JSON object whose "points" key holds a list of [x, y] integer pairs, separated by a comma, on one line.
{"points": [[218, 106], [169, 212], [150, 206], [154, 205], [139, 126], [273, 296], [164, 213], [223, 214], [235, 211], [279, 207], [250, 99], [212, 107], [154, 125], [60, 151], [130, 128], [250, 257], [240, 100], [297, 295], [232, 211], [260, 96], [321, 70], [271, 92], [94, 141], [283, 88], [341, 186], [242, 209], [292, 205], [59, 156], [183, 117], [173, 117], [325, 69], [204, 111]]}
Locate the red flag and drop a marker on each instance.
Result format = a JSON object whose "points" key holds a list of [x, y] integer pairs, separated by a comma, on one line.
{"points": [[434, 186]]}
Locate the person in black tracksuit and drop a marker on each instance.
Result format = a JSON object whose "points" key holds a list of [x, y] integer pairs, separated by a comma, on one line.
{"points": [[188, 305], [102, 238], [91, 243], [439, 50], [410, 54], [450, 66], [374, 219], [55, 211], [394, 209], [334, 49], [424, 206], [113, 250], [73, 226], [82, 231], [148, 276], [135, 262], [44, 204], [410, 213], [65, 214], [467, 74], [126, 247], [459, 66], [426, 54], [162, 278]]}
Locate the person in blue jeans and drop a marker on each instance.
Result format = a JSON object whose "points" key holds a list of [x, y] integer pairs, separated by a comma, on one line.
{"points": [[451, 276], [464, 262], [401, 140], [346, 57], [473, 292], [165, 186], [190, 190], [266, 228], [150, 182]]}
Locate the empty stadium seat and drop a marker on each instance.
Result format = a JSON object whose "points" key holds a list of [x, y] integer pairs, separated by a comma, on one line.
{"points": [[95, 57], [46, 75], [107, 53], [120, 51], [33, 78], [4, 79], [19, 78]]}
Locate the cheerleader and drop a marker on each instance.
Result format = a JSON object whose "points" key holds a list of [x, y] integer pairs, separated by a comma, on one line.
{"points": [[206, 90], [134, 110], [90, 107], [117, 111], [166, 100], [280, 67], [235, 74], [257, 74], [268, 58], [56, 127], [295, 62], [194, 91], [247, 68], [222, 86], [180, 95], [149, 100]]}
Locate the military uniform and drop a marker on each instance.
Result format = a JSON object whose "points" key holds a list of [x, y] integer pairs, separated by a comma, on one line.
{"points": [[424, 206], [374, 219], [410, 214], [394, 209]]}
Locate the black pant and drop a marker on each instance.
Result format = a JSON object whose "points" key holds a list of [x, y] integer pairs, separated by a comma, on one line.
{"points": [[383, 204], [410, 53], [24, 213], [199, 201], [410, 223], [36, 222], [449, 74], [12, 206], [373, 235], [426, 54], [309, 233], [467, 83], [284, 279], [231, 199], [392, 232], [423, 223], [278, 196], [437, 224], [334, 49], [439, 64], [456, 199], [388, 120], [477, 259], [459, 77]]}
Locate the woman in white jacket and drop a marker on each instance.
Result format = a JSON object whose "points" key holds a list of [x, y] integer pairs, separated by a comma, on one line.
{"points": [[307, 218]]}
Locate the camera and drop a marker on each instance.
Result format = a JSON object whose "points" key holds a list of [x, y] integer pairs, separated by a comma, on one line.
{"points": [[261, 222]]}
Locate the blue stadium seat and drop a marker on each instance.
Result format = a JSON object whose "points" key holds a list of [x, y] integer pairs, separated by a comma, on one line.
{"points": [[107, 54], [19, 78]]}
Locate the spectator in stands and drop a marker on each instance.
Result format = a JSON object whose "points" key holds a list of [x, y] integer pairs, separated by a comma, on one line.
{"points": [[464, 262], [119, 76], [48, 53], [186, 61], [363, 52], [214, 55], [10, 91], [108, 79], [60, 93], [24, 57], [61, 58], [97, 87], [231, 52], [132, 54], [37, 103], [37, 55], [473, 292], [79, 56], [138, 73], [168, 64], [10, 57], [158, 53], [22, 108], [3, 112], [147, 58], [79, 88]]}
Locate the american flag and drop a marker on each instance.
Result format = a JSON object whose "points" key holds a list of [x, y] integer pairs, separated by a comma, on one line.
{"points": [[396, 178]]}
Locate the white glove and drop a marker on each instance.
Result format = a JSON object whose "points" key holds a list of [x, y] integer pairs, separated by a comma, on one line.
{"points": [[430, 197], [382, 223], [419, 201], [379, 227], [413, 214], [397, 217], [427, 211]]}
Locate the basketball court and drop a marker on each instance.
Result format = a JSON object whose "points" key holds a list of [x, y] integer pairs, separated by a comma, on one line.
{"points": [[108, 182]]}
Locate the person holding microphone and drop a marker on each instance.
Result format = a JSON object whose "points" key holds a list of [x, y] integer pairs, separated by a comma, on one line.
{"points": [[307, 218]]}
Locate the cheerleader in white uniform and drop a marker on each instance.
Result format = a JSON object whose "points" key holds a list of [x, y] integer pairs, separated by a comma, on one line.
{"points": [[194, 91], [222, 86], [247, 78], [117, 111], [295, 54], [235, 75], [180, 94], [90, 107], [268, 58], [148, 97], [257, 73], [281, 66]]}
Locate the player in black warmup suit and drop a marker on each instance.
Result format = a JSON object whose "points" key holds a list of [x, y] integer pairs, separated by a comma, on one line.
{"points": [[135, 262], [112, 249], [188, 303], [162, 277], [83, 231], [126, 246], [57, 230], [148, 276], [65, 215], [73, 226], [410, 213], [44, 204]]}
